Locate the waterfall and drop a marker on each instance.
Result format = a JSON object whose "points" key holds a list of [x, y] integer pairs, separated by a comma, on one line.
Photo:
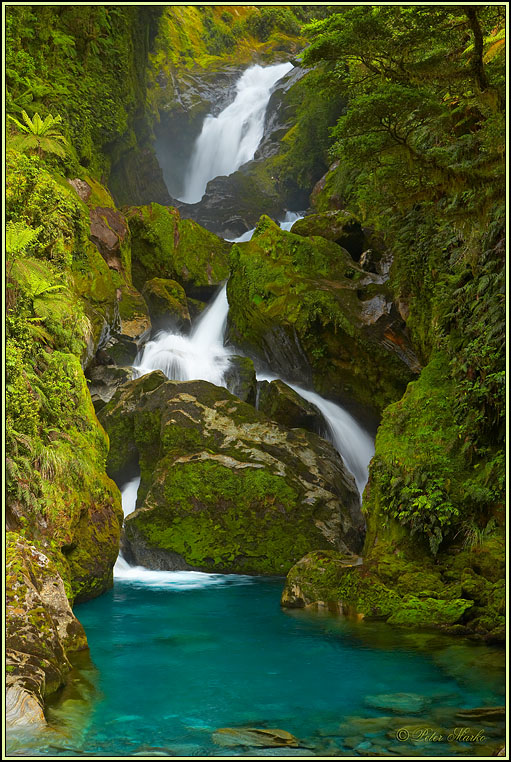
{"points": [[289, 220], [201, 355], [231, 139], [350, 440]]}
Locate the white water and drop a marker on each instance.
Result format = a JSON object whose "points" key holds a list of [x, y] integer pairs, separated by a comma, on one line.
{"points": [[290, 219], [231, 139], [351, 441], [175, 580], [199, 356]]}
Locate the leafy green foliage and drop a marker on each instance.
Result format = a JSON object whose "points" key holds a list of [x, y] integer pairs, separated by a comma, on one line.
{"points": [[39, 135], [420, 156], [87, 63]]}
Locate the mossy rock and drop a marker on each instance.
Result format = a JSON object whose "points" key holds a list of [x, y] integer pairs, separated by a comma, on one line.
{"points": [[340, 226], [41, 630], [134, 319], [240, 378], [281, 403], [167, 304], [306, 309], [422, 502], [166, 246], [358, 590], [222, 487]]}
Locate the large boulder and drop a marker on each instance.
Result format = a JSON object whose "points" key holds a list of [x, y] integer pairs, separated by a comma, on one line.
{"points": [[305, 308], [223, 488], [339, 226], [41, 632], [166, 246]]}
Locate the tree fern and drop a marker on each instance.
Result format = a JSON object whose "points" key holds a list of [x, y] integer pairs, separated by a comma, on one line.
{"points": [[38, 135]]}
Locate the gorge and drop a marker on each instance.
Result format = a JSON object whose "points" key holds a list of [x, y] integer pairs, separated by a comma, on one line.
{"points": [[291, 372]]}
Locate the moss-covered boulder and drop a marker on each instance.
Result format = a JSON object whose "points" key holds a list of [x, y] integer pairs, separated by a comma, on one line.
{"points": [[168, 306], [40, 634], [281, 403], [166, 246], [304, 307], [434, 554], [222, 487], [340, 226], [368, 591]]}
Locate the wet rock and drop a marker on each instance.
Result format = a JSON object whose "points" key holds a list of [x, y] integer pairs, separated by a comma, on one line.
{"points": [[167, 304], [316, 318], [104, 380], [240, 378], [166, 246], [408, 703], [253, 737], [120, 350], [41, 632], [108, 230], [280, 402], [222, 486]]}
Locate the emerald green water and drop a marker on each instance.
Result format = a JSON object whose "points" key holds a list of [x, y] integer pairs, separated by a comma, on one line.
{"points": [[181, 654]]}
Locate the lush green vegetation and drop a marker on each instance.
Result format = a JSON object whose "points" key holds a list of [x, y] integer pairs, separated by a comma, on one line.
{"points": [[420, 152], [85, 63]]}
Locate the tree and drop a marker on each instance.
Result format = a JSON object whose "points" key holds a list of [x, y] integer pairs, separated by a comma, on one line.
{"points": [[39, 135]]}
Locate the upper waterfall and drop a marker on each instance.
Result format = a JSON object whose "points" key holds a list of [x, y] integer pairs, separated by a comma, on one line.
{"points": [[231, 139]]}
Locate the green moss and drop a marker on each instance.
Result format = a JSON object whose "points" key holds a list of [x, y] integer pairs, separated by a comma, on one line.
{"points": [[165, 246], [248, 519], [307, 287]]}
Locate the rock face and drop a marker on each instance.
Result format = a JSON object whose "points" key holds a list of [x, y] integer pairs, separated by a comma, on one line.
{"points": [[222, 487], [41, 632], [305, 308], [240, 378], [166, 246]]}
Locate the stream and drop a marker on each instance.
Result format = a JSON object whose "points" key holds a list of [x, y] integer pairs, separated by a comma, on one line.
{"points": [[177, 655]]}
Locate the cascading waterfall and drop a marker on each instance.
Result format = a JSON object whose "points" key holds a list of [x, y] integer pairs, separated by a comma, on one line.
{"points": [[231, 139], [199, 356], [290, 219], [350, 440]]}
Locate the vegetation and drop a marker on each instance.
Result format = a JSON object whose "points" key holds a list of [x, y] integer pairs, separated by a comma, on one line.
{"points": [[420, 156]]}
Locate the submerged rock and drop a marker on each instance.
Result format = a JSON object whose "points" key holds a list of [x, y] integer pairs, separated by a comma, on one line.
{"points": [[265, 737], [404, 703], [223, 488]]}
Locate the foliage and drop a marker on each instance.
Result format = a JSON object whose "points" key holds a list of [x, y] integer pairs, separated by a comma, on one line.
{"points": [[420, 156], [86, 63], [39, 135]]}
